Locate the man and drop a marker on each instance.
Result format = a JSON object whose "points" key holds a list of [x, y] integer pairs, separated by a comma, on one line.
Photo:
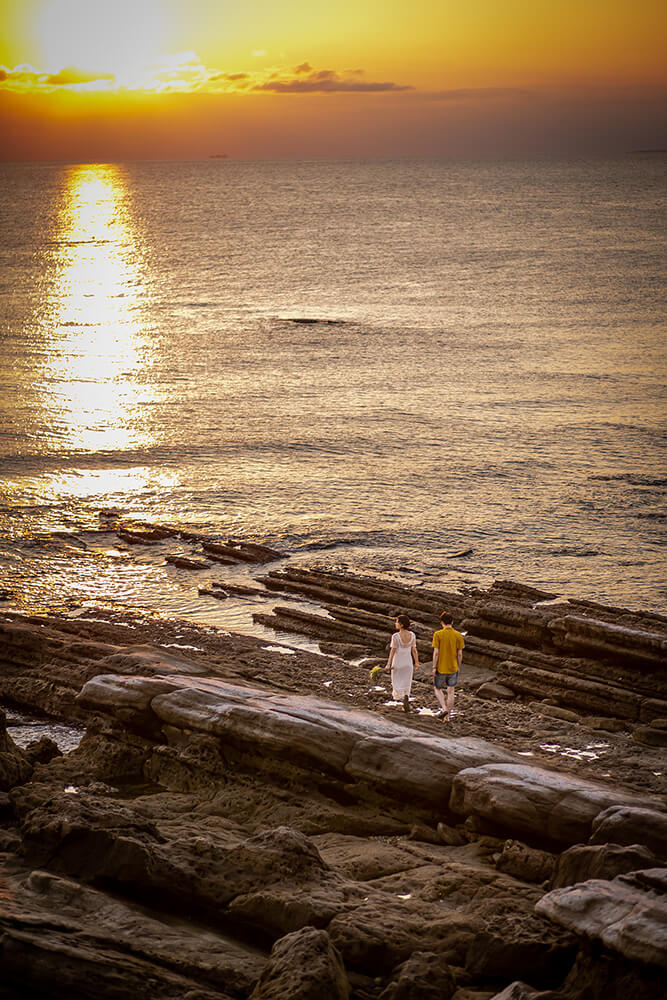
{"points": [[447, 655]]}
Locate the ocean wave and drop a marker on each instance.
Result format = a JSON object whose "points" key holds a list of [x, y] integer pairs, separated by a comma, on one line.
{"points": [[333, 543], [632, 478], [574, 551], [309, 320], [75, 243]]}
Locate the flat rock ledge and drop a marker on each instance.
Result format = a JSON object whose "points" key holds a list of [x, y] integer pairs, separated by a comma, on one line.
{"points": [[467, 777]]}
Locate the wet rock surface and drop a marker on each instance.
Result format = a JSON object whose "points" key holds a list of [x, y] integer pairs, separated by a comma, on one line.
{"points": [[238, 823]]}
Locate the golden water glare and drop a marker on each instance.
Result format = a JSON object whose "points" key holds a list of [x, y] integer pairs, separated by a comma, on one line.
{"points": [[98, 346]]}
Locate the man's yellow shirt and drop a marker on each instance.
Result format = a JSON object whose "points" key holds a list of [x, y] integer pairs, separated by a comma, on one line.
{"points": [[448, 642]]}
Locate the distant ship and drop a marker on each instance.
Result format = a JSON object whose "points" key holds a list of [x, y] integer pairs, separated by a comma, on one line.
{"points": [[219, 156]]}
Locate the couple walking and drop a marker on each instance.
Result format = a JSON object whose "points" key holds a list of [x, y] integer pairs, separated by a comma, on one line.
{"points": [[404, 660]]}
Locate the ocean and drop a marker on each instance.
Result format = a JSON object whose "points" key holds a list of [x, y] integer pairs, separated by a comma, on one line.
{"points": [[372, 365]]}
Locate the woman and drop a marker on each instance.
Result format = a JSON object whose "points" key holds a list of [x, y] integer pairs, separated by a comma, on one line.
{"points": [[403, 658]]}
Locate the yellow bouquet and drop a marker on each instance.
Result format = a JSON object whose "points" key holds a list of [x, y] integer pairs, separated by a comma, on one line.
{"points": [[376, 674]]}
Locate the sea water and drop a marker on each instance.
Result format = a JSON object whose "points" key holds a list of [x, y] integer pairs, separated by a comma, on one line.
{"points": [[368, 364]]}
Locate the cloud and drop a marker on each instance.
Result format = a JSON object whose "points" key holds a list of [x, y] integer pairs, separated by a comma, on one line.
{"points": [[72, 76], [326, 81], [477, 94], [21, 76], [26, 78], [183, 72]]}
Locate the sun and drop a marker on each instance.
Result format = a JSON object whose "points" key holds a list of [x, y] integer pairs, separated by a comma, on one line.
{"points": [[121, 37]]}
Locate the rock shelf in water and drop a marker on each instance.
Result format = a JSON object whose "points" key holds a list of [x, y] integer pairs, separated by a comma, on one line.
{"points": [[237, 823]]}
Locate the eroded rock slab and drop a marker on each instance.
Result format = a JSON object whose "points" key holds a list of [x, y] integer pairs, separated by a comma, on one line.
{"points": [[600, 861], [58, 936], [358, 745], [628, 915], [15, 767], [303, 965], [540, 804], [632, 824]]}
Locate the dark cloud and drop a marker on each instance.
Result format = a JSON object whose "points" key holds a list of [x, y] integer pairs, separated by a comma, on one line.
{"points": [[477, 94], [325, 81], [229, 76], [303, 68]]}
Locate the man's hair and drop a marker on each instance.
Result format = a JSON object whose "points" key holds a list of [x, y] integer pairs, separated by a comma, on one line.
{"points": [[446, 618]]}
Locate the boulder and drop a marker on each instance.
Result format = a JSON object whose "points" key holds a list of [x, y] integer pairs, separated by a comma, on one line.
{"points": [[651, 736], [492, 955], [418, 768], [43, 750], [419, 831], [6, 808], [183, 562], [599, 861], [465, 993], [517, 991], [555, 712], [525, 862], [450, 835], [544, 805], [424, 976], [127, 699], [598, 974], [494, 690], [628, 915], [15, 767], [632, 825], [303, 965]]}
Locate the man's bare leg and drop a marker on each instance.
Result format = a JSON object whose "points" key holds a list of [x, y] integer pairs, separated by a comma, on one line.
{"points": [[440, 698], [450, 699]]}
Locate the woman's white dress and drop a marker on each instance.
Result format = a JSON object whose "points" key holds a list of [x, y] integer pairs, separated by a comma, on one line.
{"points": [[402, 665]]}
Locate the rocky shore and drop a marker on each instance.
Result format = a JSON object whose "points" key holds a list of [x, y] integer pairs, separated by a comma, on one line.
{"points": [[249, 820]]}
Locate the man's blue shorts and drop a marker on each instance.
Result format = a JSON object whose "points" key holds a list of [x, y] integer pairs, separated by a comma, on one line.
{"points": [[445, 680]]}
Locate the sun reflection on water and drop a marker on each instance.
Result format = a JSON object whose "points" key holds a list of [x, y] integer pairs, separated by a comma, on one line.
{"points": [[94, 319]]}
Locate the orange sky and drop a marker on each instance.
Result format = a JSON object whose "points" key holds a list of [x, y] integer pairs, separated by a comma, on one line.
{"points": [[89, 80]]}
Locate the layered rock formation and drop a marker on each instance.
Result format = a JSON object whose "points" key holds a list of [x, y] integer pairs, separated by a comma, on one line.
{"points": [[240, 823], [593, 659]]}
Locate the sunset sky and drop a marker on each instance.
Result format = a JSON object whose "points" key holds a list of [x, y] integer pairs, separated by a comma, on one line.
{"points": [[93, 80]]}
